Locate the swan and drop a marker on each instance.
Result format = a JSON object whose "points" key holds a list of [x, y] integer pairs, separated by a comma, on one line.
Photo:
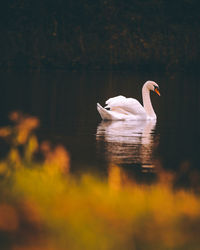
{"points": [[122, 108]]}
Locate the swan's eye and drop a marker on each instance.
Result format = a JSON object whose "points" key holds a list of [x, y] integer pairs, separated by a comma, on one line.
{"points": [[155, 87]]}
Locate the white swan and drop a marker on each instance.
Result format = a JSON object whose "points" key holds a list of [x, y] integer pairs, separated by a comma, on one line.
{"points": [[122, 108]]}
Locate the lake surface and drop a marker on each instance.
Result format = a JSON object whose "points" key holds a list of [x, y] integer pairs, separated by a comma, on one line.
{"points": [[65, 103]]}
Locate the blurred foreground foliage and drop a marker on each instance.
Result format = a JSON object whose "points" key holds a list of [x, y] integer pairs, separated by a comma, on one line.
{"points": [[102, 34], [42, 206]]}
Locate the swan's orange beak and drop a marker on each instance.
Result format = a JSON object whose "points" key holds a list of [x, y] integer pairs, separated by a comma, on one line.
{"points": [[157, 91]]}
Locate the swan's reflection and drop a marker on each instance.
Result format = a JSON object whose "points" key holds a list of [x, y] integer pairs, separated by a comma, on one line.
{"points": [[127, 142]]}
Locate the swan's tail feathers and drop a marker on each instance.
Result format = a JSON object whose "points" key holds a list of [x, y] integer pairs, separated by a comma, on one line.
{"points": [[105, 114]]}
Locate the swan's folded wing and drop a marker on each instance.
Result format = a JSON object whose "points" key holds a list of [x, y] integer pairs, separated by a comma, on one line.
{"points": [[123, 104], [114, 101]]}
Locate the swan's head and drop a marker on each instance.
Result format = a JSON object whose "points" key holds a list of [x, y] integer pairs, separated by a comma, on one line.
{"points": [[153, 86]]}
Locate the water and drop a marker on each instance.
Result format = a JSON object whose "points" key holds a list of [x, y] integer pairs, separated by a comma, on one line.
{"points": [[65, 103]]}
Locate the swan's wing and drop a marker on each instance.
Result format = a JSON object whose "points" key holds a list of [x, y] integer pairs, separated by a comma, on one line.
{"points": [[115, 101], [109, 115], [122, 104]]}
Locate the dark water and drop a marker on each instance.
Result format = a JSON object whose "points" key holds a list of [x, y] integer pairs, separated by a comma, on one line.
{"points": [[65, 103]]}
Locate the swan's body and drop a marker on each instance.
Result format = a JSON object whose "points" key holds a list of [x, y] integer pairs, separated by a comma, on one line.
{"points": [[122, 108]]}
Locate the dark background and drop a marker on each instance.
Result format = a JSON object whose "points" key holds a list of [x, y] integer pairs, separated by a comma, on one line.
{"points": [[102, 34]]}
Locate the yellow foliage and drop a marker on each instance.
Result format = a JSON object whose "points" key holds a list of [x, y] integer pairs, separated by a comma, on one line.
{"points": [[24, 127], [8, 218], [3, 168], [31, 147], [57, 159], [14, 158], [52, 210], [5, 131]]}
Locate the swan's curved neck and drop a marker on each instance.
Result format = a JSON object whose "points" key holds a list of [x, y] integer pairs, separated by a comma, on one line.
{"points": [[147, 102]]}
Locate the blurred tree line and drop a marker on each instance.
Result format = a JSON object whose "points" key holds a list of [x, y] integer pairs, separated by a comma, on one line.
{"points": [[101, 34]]}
